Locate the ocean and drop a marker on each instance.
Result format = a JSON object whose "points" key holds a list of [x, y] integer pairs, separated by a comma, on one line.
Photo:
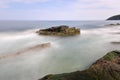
{"points": [[25, 25], [66, 54]]}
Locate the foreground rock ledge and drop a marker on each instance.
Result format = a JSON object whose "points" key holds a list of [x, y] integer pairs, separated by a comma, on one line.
{"points": [[59, 31], [106, 68]]}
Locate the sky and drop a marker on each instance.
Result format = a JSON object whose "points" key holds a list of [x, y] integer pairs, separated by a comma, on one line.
{"points": [[58, 9]]}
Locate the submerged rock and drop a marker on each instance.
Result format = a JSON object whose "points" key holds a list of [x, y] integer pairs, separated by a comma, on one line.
{"points": [[23, 51], [106, 68], [116, 42], [59, 31], [115, 24]]}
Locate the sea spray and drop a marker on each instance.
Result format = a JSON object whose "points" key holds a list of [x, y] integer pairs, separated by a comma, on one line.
{"points": [[103, 31], [66, 54], [15, 41]]}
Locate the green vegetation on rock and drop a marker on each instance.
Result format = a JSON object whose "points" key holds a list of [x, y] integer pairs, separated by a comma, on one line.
{"points": [[110, 56], [59, 31]]}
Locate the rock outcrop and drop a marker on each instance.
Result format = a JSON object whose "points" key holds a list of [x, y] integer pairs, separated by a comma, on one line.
{"points": [[116, 17], [115, 24], [115, 42], [59, 31], [106, 68]]}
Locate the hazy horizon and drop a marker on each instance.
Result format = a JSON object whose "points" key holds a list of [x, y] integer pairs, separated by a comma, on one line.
{"points": [[58, 9]]}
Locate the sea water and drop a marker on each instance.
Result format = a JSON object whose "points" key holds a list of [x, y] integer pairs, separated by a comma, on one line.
{"points": [[66, 54]]}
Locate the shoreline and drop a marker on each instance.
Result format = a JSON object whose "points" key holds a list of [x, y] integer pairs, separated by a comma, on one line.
{"points": [[105, 68]]}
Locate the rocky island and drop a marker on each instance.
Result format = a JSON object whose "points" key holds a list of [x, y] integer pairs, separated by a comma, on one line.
{"points": [[62, 30], [106, 68], [116, 17]]}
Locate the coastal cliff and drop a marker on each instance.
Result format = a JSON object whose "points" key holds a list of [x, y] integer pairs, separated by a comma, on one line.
{"points": [[116, 17], [59, 31], [106, 68]]}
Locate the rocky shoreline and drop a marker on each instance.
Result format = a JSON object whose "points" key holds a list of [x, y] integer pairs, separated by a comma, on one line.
{"points": [[106, 68], [62, 30]]}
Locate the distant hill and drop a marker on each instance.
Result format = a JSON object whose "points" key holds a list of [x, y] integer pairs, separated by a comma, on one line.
{"points": [[116, 17]]}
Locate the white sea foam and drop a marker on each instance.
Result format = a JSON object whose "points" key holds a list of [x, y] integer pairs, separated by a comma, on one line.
{"points": [[66, 54], [105, 30], [13, 41]]}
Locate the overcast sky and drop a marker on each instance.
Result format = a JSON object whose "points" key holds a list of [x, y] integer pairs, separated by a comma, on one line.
{"points": [[58, 9]]}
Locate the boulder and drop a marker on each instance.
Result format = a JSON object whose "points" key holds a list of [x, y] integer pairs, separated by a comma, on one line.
{"points": [[106, 68], [62, 30]]}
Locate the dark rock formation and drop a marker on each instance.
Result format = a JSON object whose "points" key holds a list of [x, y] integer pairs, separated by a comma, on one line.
{"points": [[116, 17], [116, 42], [59, 31], [106, 68], [115, 24]]}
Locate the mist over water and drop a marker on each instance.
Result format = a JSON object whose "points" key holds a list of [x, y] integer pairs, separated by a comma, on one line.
{"points": [[66, 54]]}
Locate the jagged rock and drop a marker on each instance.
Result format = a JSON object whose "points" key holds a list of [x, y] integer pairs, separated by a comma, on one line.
{"points": [[106, 68], [59, 31]]}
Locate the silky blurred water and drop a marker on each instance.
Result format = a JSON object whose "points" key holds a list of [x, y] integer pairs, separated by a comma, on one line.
{"points": [[66, 54]]}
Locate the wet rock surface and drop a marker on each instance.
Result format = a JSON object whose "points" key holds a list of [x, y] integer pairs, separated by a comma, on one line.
{"points": [[62, 30], [106, 68], [24, 51]]}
